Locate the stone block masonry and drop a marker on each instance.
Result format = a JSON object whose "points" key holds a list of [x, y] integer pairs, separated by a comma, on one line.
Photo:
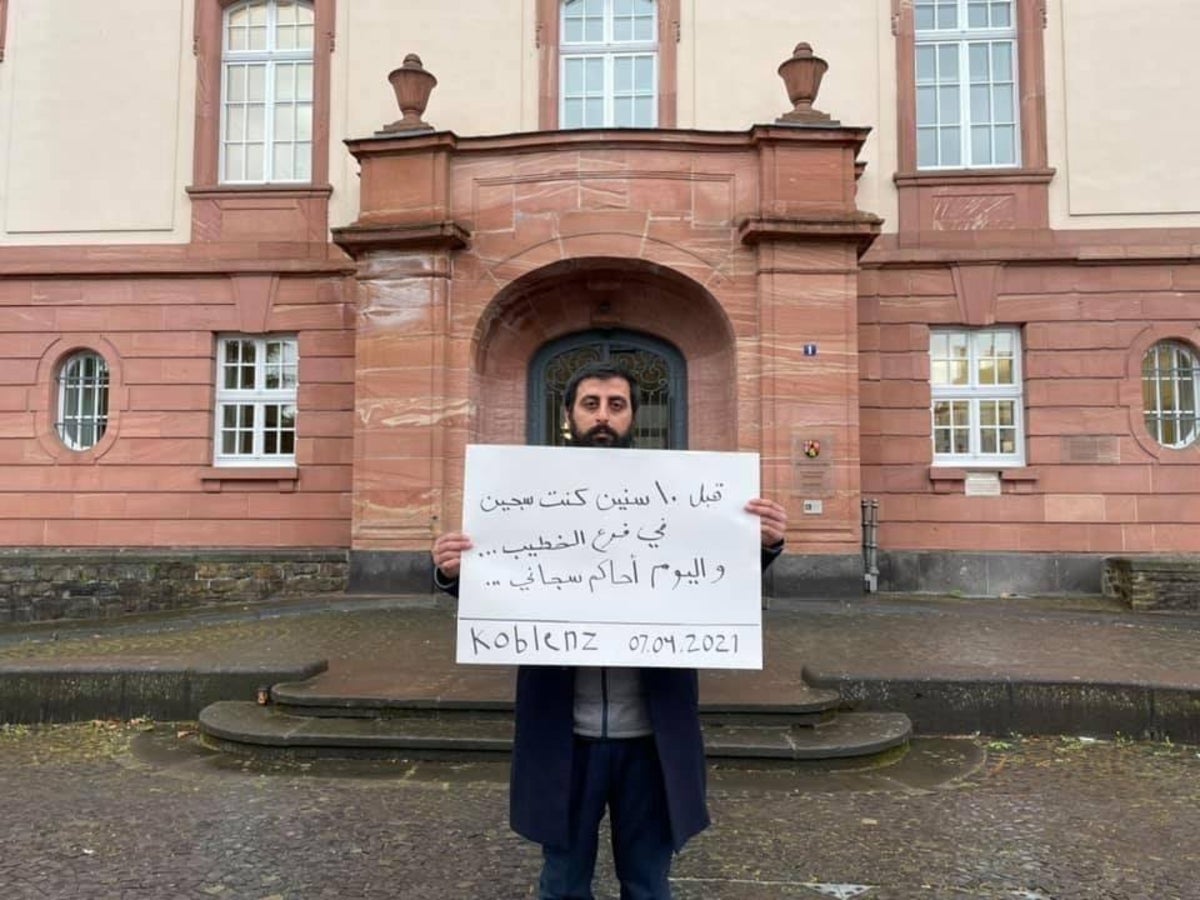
{"points": [[1154, 582], [39, 585]]}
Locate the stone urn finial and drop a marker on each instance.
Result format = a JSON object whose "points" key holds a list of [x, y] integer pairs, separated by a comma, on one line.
{"points": [[412, 85], [802, 77]]}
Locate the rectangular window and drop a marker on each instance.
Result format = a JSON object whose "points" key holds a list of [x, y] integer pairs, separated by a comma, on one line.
{"points": [[977, 403], [256, 401], [966, 84], [609, 64], [267, 92]]}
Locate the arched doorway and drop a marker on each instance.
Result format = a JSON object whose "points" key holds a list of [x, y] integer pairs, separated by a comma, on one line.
{"points": [[627, 306], [658, 366]]}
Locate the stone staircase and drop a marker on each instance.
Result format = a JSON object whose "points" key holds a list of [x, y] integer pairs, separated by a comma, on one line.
{"points": [[331, 717]]}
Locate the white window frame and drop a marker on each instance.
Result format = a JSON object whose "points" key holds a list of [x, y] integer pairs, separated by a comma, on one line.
{"points": [[963, 38], [258, 398], [975, 393], [270, 59], [1162, 411], [609, 51], [73, 389]]}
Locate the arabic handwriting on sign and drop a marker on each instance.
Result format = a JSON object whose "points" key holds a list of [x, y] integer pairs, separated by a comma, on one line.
{"points": [[577, 539], [653, 537], [703, 498], [693, 575], [557, 581], [654, 573], [667, 501], [566, 498], [607, 571], [488, 503], [606, 501], [604, 538], [523, 585]]}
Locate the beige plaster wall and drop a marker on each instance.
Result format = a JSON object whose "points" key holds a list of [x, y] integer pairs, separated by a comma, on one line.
{"points": [[96, 101], [1121, 98], [729, 54], [481, 51], [486, 59]]}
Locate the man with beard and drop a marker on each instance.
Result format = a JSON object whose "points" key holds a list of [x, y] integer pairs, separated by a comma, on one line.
{"points": [[623, 738]]}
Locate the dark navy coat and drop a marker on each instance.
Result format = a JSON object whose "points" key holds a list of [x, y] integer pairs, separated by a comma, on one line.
{"points": [[543, 744]]}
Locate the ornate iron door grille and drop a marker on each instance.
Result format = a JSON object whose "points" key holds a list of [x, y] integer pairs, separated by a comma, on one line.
{"points": [[658, 367]]}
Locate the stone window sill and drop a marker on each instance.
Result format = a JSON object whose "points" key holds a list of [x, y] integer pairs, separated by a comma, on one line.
{"points": [[939, 177], [298, 189], [215, 478], [947, 479]]}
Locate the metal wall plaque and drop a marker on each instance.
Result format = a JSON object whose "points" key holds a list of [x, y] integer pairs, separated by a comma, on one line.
{"points": [[812, 464]]}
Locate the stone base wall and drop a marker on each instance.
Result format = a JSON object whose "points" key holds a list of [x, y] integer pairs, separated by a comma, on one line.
{"points": [[1154, 582], [800, 576], [990, 574], [46, 585]]}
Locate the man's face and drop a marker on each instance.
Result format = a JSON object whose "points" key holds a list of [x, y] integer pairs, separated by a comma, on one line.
{"points": [[602, 415]]}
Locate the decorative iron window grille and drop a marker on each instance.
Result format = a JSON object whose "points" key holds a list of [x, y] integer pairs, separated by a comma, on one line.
{"points": [[82, 400], [1169, 374]]}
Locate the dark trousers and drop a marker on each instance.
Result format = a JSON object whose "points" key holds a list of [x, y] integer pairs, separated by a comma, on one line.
{"points": [[626, 777]]}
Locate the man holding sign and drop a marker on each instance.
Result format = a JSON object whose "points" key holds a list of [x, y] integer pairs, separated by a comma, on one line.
{"points": [[587, 738]]}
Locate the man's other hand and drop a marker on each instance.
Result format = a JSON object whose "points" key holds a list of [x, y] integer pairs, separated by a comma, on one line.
{"points": [[448, 550], [773, 517]]}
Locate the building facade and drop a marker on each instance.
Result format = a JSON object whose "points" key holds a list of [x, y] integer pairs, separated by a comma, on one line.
{"points": [[248, 305]]}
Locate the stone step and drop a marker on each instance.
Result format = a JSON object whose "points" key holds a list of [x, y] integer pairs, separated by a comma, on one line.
{"points": [[249, 728], [412, 709], [326, 697]]}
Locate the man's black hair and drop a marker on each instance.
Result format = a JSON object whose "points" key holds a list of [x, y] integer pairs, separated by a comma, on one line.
{"points": [[604, 371]]}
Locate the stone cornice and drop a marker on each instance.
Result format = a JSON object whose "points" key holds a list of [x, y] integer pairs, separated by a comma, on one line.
{"points": [[1038, 246], [183, 259], [358, 239], [609, 139], [860, 228]]}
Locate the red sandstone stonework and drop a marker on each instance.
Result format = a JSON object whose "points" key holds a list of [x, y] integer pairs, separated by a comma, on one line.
{"points": [[739, 249], [154, 313]]}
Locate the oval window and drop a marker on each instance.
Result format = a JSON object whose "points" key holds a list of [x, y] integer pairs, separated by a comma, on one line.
{"points": [[82, 400], [1169, 372]]}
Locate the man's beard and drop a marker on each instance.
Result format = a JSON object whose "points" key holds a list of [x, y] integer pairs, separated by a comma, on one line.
{"points": [[608, 437]]}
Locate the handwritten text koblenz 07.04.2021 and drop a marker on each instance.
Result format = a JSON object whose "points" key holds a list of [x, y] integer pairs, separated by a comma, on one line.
{"points": [[518, 639]]}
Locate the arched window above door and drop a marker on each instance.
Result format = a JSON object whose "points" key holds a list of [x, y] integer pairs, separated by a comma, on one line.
{"points": [[659, 368]]}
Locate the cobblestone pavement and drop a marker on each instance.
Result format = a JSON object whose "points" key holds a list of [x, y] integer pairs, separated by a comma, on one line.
{"points": [[136, 810]]}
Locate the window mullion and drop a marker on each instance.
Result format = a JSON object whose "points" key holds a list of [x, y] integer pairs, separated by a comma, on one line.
{"points": [[964, 102], [260, 420], [269, 121], [269, 108], [1158, 403], [272, 26], [975, 443], [260, 366], [260, 381], [223, 125], [610, 105], [991, 89]]}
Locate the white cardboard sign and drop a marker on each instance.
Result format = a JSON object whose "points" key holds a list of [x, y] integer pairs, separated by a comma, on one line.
{"points": [[613, 557]]}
